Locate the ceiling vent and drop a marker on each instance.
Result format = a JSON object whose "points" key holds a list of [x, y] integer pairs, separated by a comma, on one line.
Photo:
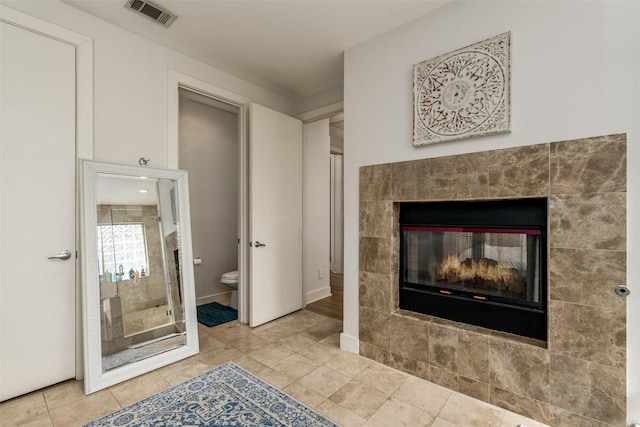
{"points": [[151, 11]]}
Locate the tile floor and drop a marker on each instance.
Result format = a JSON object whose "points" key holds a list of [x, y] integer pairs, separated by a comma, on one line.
{"points": [[299, 354]]}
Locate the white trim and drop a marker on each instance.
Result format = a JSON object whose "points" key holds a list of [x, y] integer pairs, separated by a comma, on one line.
{"points": [[177, 81], [318, 294], [321, 113], [84, 122], [349, 343]]}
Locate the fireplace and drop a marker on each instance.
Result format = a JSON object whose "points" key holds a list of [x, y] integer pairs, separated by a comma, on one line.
{"points": [[477, 262]]}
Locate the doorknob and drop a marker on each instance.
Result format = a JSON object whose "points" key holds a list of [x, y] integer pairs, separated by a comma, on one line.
{"points": [[62, 255], [258, 244]]}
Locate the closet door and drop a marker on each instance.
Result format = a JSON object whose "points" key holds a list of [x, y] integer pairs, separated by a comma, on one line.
{"points": [[37, 211]]}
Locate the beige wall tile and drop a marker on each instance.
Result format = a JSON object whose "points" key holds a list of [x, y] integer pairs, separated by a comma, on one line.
{"points": [[519, 368], [409, 337], [519, 172], [521, 404], [564, 418], [410, 180], [473, 355], [443, 178], [590, 333], [375, 255], [587, 276], [375, 183], [443, 347], [375, 219], [595, 221], [589, 165], [590, 389], [473, 388], [375, 291], [374, 327]]}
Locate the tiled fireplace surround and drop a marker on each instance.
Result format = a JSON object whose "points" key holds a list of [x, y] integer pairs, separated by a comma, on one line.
{"points": [[577, 377]]}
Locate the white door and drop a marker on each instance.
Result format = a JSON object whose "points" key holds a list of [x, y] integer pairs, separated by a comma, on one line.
{"points": [[37, 211], [275, 187]]}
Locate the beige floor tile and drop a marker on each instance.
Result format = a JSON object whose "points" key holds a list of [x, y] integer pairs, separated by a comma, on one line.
{"points": [[359, 398], [423, 395], [208, 343], [271, 355], [277, 332], [439, 422], [469, 412], [382, 378], [138, 388], [296, 342], [295, 366], [396, 413], [317, 333], [304, 394], [43, 420], [329, 323], [332, 340], [320, 352], [340, 415], [514, 420], [250, 364], [249, 343], [30, 409], [274, 377], [183, 370], [63, 394], [219, 356], [349, 364], [83, 410], [324, 380]]}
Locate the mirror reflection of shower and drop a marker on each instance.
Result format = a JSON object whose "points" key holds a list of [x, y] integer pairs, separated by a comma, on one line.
{"points": [[141, 307]]}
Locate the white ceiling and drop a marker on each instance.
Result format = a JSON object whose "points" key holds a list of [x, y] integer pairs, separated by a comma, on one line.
{"points": [[294, 48]]}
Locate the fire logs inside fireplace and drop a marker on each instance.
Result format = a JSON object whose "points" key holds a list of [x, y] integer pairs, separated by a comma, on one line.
{"points": [[484, 274]]}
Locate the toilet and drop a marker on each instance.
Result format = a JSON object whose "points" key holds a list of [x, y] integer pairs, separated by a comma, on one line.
{"points": [[231, 280]]}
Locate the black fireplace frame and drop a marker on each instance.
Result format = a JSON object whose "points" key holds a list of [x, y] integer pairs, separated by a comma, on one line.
{"points": [[528, 319]]}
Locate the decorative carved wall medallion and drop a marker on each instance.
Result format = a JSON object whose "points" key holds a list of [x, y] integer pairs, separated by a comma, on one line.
{"points": [[464, 93]]}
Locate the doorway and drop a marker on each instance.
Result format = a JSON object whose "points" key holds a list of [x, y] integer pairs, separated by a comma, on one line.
{"points": [[209, 152], [269, 236], [332, 305]]}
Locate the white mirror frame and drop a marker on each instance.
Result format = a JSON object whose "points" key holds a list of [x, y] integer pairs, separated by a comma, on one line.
{"points": [[95, 378]]}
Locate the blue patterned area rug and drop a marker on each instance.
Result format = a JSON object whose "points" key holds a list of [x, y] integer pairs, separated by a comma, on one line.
{"points": [[225, 396], [213, 314]]}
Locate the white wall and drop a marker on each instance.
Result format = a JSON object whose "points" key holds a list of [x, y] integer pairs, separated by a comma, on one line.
{"points": [[130, 84], [208, 150], [575, 68], [316, 213]]}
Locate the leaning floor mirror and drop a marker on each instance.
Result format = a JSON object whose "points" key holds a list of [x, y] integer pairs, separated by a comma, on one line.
{"points": [[139, 310]]}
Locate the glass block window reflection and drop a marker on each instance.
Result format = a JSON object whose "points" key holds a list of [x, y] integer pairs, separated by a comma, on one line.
{"points": [[122, 245]]}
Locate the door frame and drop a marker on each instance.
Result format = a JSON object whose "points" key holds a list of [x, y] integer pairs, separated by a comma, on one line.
{"points": [[84, 124], [177, 81]]}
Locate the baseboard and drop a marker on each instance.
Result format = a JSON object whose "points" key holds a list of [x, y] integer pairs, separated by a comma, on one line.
{"points": [[221, 296], [349, 343], [318, 294]]}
